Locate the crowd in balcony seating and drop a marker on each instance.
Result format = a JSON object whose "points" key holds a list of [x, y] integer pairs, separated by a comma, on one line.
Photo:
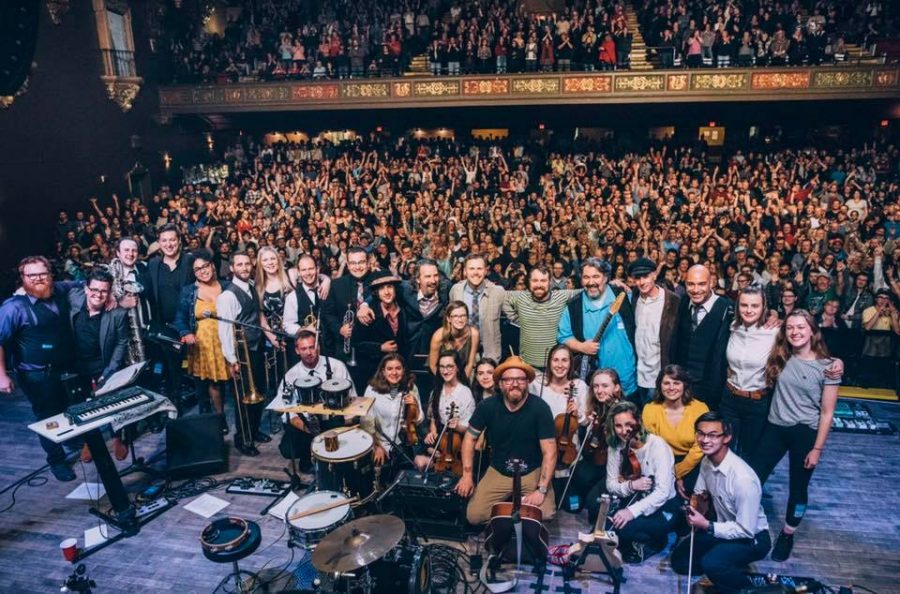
{"points": [[696, 34]]}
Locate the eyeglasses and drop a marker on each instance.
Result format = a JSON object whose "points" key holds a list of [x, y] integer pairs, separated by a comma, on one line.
{"points": [[203, 267], [37, 276], [711, 436], [514, 380], [98, 291]]}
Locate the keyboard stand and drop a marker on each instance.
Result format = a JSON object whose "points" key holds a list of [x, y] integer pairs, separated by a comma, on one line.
{"points": [[140, 464]]}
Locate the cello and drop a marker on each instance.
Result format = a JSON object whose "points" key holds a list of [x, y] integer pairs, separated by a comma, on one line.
{"points": [[449, 447], [517, 521], [566, 427]]}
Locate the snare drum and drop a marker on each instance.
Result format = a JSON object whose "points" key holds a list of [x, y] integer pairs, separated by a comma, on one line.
{"points": [[309, 530], [306, 390], [351, 468], [336, 393]]}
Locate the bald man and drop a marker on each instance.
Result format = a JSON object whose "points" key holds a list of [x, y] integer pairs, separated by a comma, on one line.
{"points": [[704, 321]]}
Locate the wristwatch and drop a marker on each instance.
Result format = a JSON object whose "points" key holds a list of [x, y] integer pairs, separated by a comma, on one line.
{"points": [[711, 529], [542, 490]]}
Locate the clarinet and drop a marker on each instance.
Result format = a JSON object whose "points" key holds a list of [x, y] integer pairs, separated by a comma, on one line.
{"points": [[348, 319]]}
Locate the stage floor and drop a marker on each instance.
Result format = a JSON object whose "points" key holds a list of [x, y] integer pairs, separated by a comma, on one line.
{"points": [[851, 533]]}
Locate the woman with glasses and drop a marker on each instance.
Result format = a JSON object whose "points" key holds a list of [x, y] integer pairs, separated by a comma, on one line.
{"points": [[206, 363], [671, 416], [451, 404], [800, 417], [455, 335]]}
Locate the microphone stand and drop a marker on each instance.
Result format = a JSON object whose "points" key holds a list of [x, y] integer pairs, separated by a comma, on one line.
{"points": [[211, 316]]}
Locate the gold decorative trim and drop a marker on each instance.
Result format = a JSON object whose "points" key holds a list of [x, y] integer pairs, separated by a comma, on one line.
{"points": [[122, 92], [6, 101], [640, 83]]}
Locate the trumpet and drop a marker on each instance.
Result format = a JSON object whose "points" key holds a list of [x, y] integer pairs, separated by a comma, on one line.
{"points": [[245, 392]]}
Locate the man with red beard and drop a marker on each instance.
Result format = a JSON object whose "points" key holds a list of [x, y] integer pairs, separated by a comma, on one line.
{"points": [[35, 331]]}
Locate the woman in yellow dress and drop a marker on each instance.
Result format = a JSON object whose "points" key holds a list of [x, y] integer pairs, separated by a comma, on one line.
{"points": [[206, 363]]}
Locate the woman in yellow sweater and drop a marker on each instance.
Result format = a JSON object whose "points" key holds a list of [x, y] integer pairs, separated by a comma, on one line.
{"points": [[671, 416]]}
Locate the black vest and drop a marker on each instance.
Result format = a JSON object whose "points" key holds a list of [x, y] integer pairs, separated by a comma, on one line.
{"points": [[576, 316], [249, 314], [49, 342]]}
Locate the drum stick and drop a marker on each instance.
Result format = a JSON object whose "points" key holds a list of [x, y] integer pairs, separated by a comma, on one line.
{"points": [[322, 508]]}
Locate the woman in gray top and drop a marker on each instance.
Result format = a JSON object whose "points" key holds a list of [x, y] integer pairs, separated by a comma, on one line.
{"points": [[800, 418]]}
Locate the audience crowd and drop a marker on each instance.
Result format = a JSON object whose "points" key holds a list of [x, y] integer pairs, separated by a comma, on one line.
{"points": [[816, 227], [299, 39]]}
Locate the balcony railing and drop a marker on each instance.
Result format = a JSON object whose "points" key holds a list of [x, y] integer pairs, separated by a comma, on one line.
{"points": [[119, 63]]}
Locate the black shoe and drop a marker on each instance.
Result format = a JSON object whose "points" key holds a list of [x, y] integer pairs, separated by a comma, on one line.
{"points": [[62, 472], [633, 553], [247, 450], [783, 546], [262, 437]]}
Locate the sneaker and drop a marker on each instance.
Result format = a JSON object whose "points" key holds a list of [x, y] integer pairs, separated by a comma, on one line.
{"points": [[62, 472], [782, 549], [633, 553]]}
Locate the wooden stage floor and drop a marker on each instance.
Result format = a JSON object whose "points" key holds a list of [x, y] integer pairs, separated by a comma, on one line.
{"points": [[851, 533]]}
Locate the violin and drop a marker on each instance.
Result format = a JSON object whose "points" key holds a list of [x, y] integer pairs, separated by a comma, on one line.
{"points": [[566, 427], [411, 422], [449, 447], [700, 502], [630, 468], [596, 446]]}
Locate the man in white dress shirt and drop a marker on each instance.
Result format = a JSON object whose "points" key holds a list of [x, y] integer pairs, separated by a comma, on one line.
{"points": [[239, 302], [300, 429], [740, 534]]}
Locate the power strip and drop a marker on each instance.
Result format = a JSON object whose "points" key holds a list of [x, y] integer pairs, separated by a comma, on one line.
{"points": [[151, 507], [257, 486]]}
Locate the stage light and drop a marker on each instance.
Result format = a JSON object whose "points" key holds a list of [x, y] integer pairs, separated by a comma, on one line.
{"points": [[884, 123], [712, 124], [379, 129], [541, 126]]}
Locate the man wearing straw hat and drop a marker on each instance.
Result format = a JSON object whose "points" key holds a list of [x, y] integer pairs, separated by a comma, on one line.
{"points": [[518, 426]]}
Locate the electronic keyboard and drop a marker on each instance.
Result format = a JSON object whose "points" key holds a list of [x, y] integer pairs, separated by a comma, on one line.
{"points": [[110, 404]]}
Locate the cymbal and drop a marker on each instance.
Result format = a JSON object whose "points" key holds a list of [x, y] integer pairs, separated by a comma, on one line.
{"points": [[358, 543]]}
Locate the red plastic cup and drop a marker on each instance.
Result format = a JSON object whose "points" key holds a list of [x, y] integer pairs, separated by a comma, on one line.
{"points": [[69, 549]]}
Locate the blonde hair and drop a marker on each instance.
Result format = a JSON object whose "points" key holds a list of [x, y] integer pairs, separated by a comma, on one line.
{"points": [[281, 273]]}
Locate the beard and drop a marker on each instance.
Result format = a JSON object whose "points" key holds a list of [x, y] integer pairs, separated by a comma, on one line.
{"points": [[40, 291], [515, 396]]}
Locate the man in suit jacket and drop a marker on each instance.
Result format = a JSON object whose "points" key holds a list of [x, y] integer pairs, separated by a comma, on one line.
{"points": [[347, 292], [485, 302], [656, 319], [101, 337], [704, 322], [388, 331]]}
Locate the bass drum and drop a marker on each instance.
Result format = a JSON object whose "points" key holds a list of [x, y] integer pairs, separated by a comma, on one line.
{"points": [[405, 569], [350, 469]]}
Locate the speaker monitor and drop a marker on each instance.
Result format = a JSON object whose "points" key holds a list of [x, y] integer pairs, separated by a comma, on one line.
{"points": [[195, 446]]}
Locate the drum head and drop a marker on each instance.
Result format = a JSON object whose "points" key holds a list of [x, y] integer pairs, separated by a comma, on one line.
{"points": [[336, 384], [351, 445], [307, 382], [322, 519]]}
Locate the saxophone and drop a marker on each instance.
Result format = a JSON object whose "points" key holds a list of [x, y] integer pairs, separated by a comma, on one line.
{"points": [[122, 288]]}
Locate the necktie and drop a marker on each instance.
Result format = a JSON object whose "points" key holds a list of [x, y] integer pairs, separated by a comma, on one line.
{"points": [[474, 317], [359, 294], [695, 316]]}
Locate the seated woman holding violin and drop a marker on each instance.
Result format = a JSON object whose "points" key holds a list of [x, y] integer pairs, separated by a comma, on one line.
{"points": [[740, 533], [451, 405], [396, 414], [639, 470], [589, 476]]}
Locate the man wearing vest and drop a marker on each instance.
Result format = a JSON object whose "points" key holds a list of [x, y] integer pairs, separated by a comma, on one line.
{"points": [[581, 321], [704, 325], [239, 303], [35, 332]]}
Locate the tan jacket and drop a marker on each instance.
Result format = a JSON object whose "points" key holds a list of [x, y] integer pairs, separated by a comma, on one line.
{"points": [[489, 307]]}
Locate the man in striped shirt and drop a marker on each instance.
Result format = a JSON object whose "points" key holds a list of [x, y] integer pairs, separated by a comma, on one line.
{"points": [[537, 314]]}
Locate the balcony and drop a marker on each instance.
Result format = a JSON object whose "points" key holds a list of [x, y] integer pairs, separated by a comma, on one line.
{"points": [[562, 88]]}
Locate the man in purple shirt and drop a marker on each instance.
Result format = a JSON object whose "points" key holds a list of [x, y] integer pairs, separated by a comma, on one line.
{"points": [[35, 332]]}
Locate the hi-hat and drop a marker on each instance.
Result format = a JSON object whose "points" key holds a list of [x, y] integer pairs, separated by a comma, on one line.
{"points": [[358, 543]]}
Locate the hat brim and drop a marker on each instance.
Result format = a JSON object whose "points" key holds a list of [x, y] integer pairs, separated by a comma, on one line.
{"points": [[528, 369]]}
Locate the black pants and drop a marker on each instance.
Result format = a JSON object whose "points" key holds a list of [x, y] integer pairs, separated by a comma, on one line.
{"points": [[297, 444], [723, 561], [796, 441], [589, 484], [748, 419], [654, 529], [47, 397]]}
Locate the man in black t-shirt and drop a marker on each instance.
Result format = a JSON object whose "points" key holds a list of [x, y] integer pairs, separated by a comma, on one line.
{"points": [[518, 426]]}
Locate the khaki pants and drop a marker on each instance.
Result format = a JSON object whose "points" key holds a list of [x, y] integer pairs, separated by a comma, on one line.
{"points": [[496, 488]]}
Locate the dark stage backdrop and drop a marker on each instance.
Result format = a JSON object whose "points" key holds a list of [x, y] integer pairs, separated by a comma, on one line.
{"points": [[61, 136]]}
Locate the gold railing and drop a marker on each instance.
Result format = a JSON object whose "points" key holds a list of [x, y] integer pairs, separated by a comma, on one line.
{"points": [[658, 86]]}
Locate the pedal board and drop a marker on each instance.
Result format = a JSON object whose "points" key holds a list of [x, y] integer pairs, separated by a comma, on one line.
{"points": [[152, 507], [258, 486]]}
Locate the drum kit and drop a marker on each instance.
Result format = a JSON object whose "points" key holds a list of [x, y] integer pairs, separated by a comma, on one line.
{"points": [[367, 556]]}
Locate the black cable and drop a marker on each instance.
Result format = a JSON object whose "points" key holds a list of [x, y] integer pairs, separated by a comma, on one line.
{"points": [[863, 588], [38, 480]]}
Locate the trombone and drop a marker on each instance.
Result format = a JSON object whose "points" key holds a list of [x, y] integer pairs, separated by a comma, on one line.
{"points": [[245, 392]]}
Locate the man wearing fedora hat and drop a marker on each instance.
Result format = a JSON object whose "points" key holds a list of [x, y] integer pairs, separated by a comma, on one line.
{"points": [[387, 332], [518, 426]]}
